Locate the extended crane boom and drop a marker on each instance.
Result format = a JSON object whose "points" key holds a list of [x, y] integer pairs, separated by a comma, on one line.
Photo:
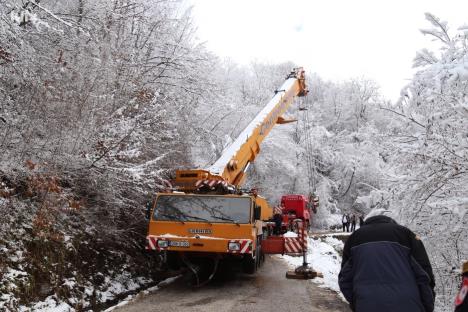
{"points": [[235, 160]]}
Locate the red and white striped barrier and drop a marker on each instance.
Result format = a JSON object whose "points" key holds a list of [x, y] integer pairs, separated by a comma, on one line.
{"points": [[297, 244], [292, 245]]}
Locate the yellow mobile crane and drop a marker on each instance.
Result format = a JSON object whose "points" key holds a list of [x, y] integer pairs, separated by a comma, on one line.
{"points": [[208, 217]]}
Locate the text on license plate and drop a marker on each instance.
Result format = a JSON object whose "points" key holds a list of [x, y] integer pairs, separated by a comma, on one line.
{"points": [[179, 244]]}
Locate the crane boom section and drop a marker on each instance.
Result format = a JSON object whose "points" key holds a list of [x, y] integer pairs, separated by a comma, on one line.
{"points": [[235, 160]]}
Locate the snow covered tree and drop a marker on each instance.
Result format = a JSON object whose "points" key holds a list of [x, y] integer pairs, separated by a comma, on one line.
{"points": [[99, 88], [96, 104], [431, 156]]}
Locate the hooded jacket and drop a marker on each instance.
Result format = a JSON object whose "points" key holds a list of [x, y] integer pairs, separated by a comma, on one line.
{"points": [[385, 268]]}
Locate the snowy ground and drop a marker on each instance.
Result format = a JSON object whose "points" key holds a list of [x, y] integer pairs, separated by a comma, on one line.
{"points": [[51, 304], [122, 284], [324, 256], [131, 298]]}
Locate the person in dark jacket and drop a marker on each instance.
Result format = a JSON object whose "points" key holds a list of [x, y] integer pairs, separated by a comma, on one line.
{"points": [[385, 268], [345, 221], [278, 218], [353, 222], [361, 220], [461, 301]]}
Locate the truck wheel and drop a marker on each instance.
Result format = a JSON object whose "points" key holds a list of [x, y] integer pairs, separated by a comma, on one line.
{"points": [[260, 256], [173, 261], [249, 264], [257, 257]]}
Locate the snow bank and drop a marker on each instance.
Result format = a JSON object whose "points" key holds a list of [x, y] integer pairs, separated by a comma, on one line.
{"points": [[323, 256], [131, 298], [50, 304], [290, 234], [121, 303]]}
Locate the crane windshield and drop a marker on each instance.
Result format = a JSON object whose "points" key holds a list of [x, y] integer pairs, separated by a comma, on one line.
{"points": [[213, 209]]}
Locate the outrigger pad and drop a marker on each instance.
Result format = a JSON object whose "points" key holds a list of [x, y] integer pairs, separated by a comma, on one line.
{"points": [[303, 272]]}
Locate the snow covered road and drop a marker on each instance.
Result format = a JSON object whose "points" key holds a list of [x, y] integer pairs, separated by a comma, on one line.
{"points": [[268, 290]]}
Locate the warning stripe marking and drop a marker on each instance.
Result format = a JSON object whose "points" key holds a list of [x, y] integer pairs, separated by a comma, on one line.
{"points": [[151, 243], [245, 246], [293, 244], [297, 244], [210, 183]]}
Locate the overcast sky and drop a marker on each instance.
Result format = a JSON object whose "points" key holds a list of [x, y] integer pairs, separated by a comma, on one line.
{"points": [[337, 39]]}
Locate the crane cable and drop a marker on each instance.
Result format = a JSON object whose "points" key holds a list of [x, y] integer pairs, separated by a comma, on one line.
{"points": [[309, 157]]}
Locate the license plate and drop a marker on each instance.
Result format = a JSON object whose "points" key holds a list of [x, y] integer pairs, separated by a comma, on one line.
{"points": [[179, 244]]}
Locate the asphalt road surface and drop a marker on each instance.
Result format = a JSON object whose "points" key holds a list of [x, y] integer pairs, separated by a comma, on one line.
{"points": [[267, 290]]}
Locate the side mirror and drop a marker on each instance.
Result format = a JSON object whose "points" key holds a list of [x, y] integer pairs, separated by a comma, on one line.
{"points": [[257, 213], [149, 205]]}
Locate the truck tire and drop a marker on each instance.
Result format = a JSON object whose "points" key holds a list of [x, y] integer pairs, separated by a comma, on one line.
{"points": [[173, 261], [259, 255], [249, 264]]}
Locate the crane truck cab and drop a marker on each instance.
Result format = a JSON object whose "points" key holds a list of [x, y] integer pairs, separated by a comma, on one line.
{"points": [[189, 227], [295, 206]]}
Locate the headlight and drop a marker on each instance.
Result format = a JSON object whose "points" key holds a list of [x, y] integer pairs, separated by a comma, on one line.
{"points": [[233, 246], [163, 243]]}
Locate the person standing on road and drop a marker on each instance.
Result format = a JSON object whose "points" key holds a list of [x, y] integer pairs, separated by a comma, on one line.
{"points": [[278, 219], [385, 268], [461, 301], [353, 222], [345, 221], [361, 220]]}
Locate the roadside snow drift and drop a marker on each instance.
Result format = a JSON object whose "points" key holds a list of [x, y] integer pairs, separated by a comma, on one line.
{"points": [[324, 256]]}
